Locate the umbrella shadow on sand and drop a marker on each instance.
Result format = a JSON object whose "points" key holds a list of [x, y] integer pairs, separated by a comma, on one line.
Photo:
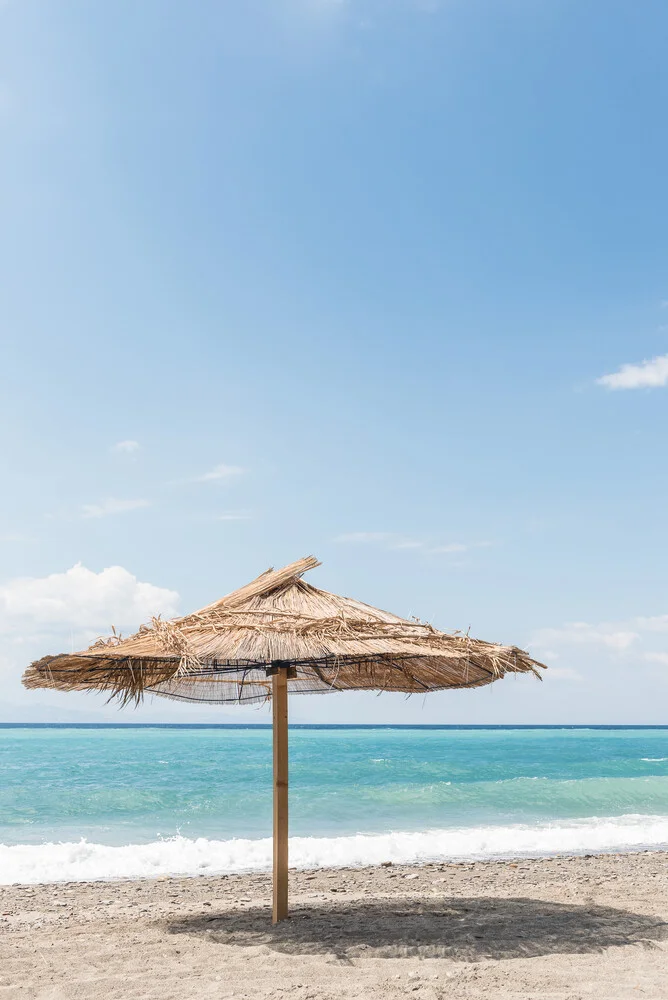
{"points": [[458, 929]]}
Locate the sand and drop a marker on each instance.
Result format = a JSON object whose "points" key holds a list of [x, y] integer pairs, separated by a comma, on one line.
{"points": [[551, 929]]}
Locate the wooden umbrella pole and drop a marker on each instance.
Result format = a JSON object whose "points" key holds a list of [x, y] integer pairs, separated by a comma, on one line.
{"points": [[280, 732]]}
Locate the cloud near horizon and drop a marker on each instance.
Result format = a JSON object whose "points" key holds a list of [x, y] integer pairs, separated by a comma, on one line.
{"points": [[661, 658], [645, 375], [625, 641], [582, 633], [81, 599]]}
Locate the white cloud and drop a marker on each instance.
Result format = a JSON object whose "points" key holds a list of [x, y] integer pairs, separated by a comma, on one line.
{"points": [[82, 599], [126, 447], [453, 547], [658, 623], [661, 658], [391, 540], [627, 640], [647, 374], [219, 472], [580, 633], [611, 648], [112, 506], [564, 674], [364, 536]]}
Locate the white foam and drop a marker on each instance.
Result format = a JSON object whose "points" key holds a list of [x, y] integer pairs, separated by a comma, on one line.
{"points": [[654, 759], [78, 862]]}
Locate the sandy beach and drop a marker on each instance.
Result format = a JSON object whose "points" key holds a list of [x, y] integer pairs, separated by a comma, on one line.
{"points": [[559, 929]]}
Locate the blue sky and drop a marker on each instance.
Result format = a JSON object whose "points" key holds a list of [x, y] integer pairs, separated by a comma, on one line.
{"points": [[382, 281]]}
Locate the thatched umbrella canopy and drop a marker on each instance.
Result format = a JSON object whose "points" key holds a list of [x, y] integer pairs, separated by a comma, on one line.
{"points": [[279, 634], [222, 653]]}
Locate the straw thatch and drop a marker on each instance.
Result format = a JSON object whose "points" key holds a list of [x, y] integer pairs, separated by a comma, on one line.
{"points": [[227, 651]]}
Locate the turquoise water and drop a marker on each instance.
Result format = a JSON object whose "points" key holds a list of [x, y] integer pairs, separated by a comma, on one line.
{"points": [[115, 787]]}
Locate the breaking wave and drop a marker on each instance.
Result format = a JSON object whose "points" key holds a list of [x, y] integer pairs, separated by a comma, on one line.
{"points": [[84, 861]]}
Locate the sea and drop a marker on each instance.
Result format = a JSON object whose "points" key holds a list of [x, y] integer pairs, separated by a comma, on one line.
{"points": [[81, 802]]}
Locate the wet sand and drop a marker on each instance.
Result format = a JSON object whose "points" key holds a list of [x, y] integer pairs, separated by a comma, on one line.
{"points": [[554, 929]]}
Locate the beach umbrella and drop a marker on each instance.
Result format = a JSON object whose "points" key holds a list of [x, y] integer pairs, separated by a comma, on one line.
{"points": [[279, 634]]}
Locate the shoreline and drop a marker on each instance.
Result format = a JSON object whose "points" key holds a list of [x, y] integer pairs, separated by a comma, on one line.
{"points": [[510, 860], [560, 927], [179, 856]]}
